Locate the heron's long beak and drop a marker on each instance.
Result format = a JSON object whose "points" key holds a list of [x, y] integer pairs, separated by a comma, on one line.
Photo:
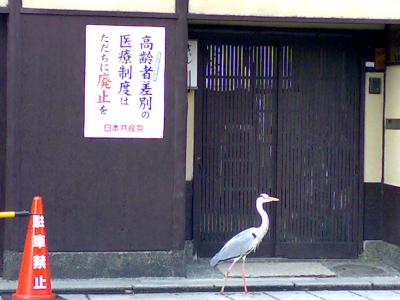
{"points": [[273, 199]]}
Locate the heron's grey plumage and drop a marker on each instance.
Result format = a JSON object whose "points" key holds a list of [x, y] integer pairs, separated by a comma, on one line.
{"points": [[241, 244], [245, 241]]}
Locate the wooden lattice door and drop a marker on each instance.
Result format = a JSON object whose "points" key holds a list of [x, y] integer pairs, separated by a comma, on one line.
{"points": [[279, 118], [236, 159], [318, 150]]}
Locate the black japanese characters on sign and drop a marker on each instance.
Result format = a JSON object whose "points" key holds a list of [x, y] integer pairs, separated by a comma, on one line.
{"points": [[127, 64]]}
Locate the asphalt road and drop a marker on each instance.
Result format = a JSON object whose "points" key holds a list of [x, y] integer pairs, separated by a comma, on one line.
{"points": [[278, 295]]}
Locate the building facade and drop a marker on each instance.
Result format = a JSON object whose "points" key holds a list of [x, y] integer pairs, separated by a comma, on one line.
{"points": [[298, 101]]}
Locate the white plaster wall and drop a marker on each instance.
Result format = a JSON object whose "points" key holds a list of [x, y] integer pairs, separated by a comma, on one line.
{"points": [[352, 9], [162, 6], [3, 3], [373, 132], [190, 137], [392, 137]]}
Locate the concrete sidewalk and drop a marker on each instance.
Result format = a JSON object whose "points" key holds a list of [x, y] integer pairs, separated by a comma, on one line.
{"points": [[347, 274]]}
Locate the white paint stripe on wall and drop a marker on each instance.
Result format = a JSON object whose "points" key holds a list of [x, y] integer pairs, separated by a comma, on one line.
{"points": [[164, 6], [392, 137], [352, 9], [373, 136]]}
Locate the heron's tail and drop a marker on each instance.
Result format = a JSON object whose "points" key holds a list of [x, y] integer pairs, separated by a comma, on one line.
{"points": [[214, 261]]}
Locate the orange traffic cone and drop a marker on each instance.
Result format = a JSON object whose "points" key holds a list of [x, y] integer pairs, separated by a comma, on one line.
{"points": [[34, 277]]}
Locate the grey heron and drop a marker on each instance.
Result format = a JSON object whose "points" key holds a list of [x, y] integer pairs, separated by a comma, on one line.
{"points": [[244, 242]]}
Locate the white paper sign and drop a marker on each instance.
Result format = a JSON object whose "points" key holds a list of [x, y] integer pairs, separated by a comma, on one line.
{"points": [[124, 82], [192, 64]]}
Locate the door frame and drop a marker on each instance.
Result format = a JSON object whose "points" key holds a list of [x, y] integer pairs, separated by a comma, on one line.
{"points": [[3, 118]]}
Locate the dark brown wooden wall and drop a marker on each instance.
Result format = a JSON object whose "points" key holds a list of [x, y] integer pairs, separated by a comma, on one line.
{"points": [[372, 211], [100, 194], [391, 214]]}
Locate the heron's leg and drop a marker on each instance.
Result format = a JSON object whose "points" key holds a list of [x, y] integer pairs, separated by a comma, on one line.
{"points": [[226, 274], [244, 274]]}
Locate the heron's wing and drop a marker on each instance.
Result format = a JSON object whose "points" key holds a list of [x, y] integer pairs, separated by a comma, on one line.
{"points": [[239, 245]]}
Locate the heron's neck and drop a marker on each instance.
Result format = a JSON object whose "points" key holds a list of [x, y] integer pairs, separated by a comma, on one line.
{"points": [[264, 217]]}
